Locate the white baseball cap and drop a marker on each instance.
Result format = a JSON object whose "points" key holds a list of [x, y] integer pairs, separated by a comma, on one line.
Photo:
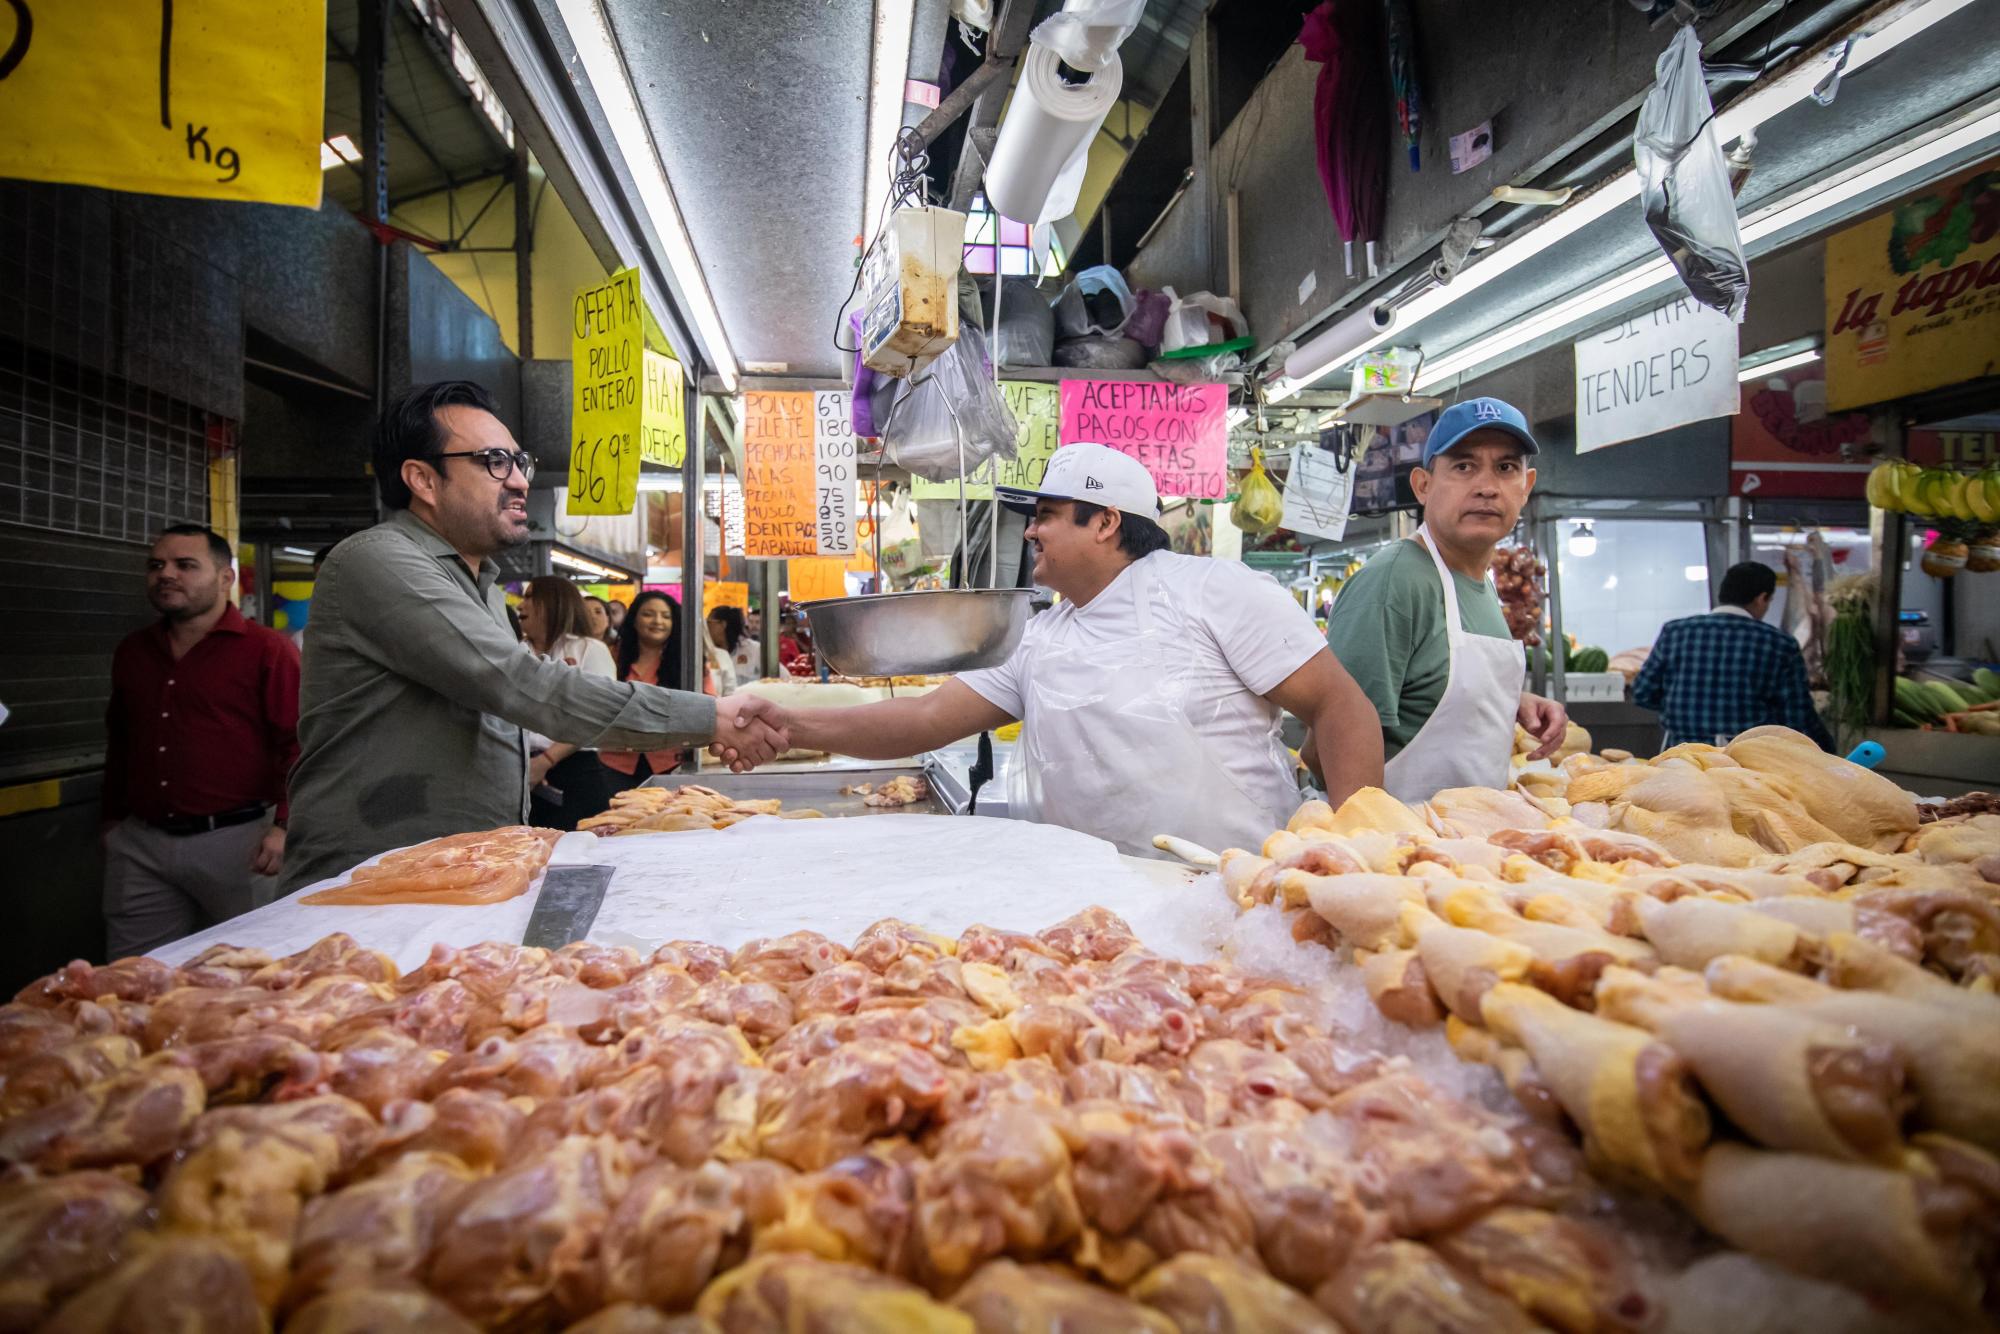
{"points": [[1093, 473]]}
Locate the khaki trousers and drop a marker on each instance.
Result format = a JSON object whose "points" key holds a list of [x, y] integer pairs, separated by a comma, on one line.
{"points": [[159, 887]]}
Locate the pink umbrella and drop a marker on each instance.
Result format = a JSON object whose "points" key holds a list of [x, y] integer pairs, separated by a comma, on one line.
{"points": [[1351, 103]]}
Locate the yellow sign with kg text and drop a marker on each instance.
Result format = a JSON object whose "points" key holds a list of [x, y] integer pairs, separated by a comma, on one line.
{"points": [[607, 352], [223, 99], [663, 425], [1913, 295]]}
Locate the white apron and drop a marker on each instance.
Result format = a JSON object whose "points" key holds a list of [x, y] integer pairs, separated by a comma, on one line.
{"points": [[1468, 741], [1108, 746]]}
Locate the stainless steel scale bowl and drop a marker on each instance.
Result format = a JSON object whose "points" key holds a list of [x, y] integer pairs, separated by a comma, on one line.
{"points": [[916, 634]]}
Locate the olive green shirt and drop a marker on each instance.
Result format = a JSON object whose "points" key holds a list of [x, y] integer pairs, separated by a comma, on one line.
{"points": [[1388, 630], [413, 699]]}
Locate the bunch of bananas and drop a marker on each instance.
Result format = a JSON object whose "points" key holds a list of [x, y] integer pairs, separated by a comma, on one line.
{"points": [[1936, 493], [1965, 506]]}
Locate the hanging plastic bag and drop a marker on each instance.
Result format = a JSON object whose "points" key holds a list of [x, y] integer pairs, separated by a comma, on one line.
{"points": [[1027, 334], [1100, 352], [1149, 317], [1088, 33], [1259, 505], [954, 396], [1096, 301], [1200, 320], [1684, 182]]}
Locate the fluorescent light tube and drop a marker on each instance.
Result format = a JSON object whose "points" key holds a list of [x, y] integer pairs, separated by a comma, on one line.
{"points": [[889, 63], [605, 70], [1803, 205], [1781, 364]]}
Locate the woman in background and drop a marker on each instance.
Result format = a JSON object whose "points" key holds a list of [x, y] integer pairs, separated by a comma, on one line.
{"points": [[649, 650], [598, 620], [565, 782], [726, 642]]}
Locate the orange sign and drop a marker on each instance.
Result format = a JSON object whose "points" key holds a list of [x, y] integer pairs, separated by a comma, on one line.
{"points": [[725, 594], [810, 578], [778, 461]]}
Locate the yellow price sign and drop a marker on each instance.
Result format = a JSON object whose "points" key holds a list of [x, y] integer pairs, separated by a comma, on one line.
{"points": [[663, 422], [220, 100], [607, 346]]}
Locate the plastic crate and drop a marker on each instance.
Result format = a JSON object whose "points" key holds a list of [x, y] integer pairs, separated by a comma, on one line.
{"points": [[1595, 687]]}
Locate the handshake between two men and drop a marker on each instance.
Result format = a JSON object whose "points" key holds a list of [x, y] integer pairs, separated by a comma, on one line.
{"points": [[749, 731]]}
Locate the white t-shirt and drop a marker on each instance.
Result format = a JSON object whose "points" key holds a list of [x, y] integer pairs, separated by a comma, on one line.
{"points": [[1243, 632], [580, 651]]}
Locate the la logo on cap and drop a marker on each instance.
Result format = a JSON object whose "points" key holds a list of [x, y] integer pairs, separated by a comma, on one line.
{"points": [[1486, 410]]}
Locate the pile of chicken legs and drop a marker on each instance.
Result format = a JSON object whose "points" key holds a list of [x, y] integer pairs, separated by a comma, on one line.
{"points": [[1745, 977]]}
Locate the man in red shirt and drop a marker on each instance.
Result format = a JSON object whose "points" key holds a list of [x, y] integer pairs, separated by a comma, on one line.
{"points": [[203, 729]]}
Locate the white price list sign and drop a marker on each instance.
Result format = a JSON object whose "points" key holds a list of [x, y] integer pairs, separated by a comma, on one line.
{"points": [[1318, 493], [834, 469], [723, 502]]}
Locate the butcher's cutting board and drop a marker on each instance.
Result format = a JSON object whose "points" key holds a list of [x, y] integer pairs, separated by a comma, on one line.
{"points": [[766, 876]]}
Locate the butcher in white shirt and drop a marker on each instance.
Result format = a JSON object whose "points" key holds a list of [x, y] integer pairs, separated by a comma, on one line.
{"points": [[1150, 697]]}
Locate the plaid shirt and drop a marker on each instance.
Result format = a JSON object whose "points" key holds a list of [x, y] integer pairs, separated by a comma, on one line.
{"points": [[1724, 673]]}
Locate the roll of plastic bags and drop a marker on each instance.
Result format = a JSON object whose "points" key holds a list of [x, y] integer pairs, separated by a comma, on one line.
{"points": [[1043, 151], [1088, 33], [1684, 182], [953, 395]]}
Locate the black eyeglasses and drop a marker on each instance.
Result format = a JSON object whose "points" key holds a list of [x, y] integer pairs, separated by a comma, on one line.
{"points": [[499, 462]]}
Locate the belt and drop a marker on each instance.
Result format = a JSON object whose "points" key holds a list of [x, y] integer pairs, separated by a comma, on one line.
{"points": [[202, 824]]}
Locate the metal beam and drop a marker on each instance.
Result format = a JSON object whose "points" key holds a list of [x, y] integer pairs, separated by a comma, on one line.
{"points": [[524, 249], [1202, 131], [372, 63], [402, 122], [694, 631]]}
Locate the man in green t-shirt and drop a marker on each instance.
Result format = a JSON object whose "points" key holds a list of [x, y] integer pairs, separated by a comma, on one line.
{"points": [[1420, 627]]}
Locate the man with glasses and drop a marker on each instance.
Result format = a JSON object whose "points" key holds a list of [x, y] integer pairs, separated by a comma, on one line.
{"points": [[416, 692]]}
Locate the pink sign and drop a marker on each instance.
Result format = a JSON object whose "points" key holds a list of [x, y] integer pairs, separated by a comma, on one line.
{"points": [[1179, 432]]}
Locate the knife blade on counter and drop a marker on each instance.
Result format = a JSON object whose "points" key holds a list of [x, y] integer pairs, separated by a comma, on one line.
{"points": [[573, 888]]}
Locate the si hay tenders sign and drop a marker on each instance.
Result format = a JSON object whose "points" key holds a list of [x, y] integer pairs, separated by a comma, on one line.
{"points": [[1664, 368], [1180, 433], [223, 99], [607, 347], [1913, 296], [663, 423]]}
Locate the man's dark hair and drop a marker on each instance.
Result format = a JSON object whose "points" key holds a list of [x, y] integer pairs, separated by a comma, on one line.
{"points": [[409, 429], [1137, 537], [1745, 583], [218, 545]]}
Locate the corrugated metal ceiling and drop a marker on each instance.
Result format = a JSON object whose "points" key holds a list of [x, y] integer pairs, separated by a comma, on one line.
{"points": [[437, 134]]}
